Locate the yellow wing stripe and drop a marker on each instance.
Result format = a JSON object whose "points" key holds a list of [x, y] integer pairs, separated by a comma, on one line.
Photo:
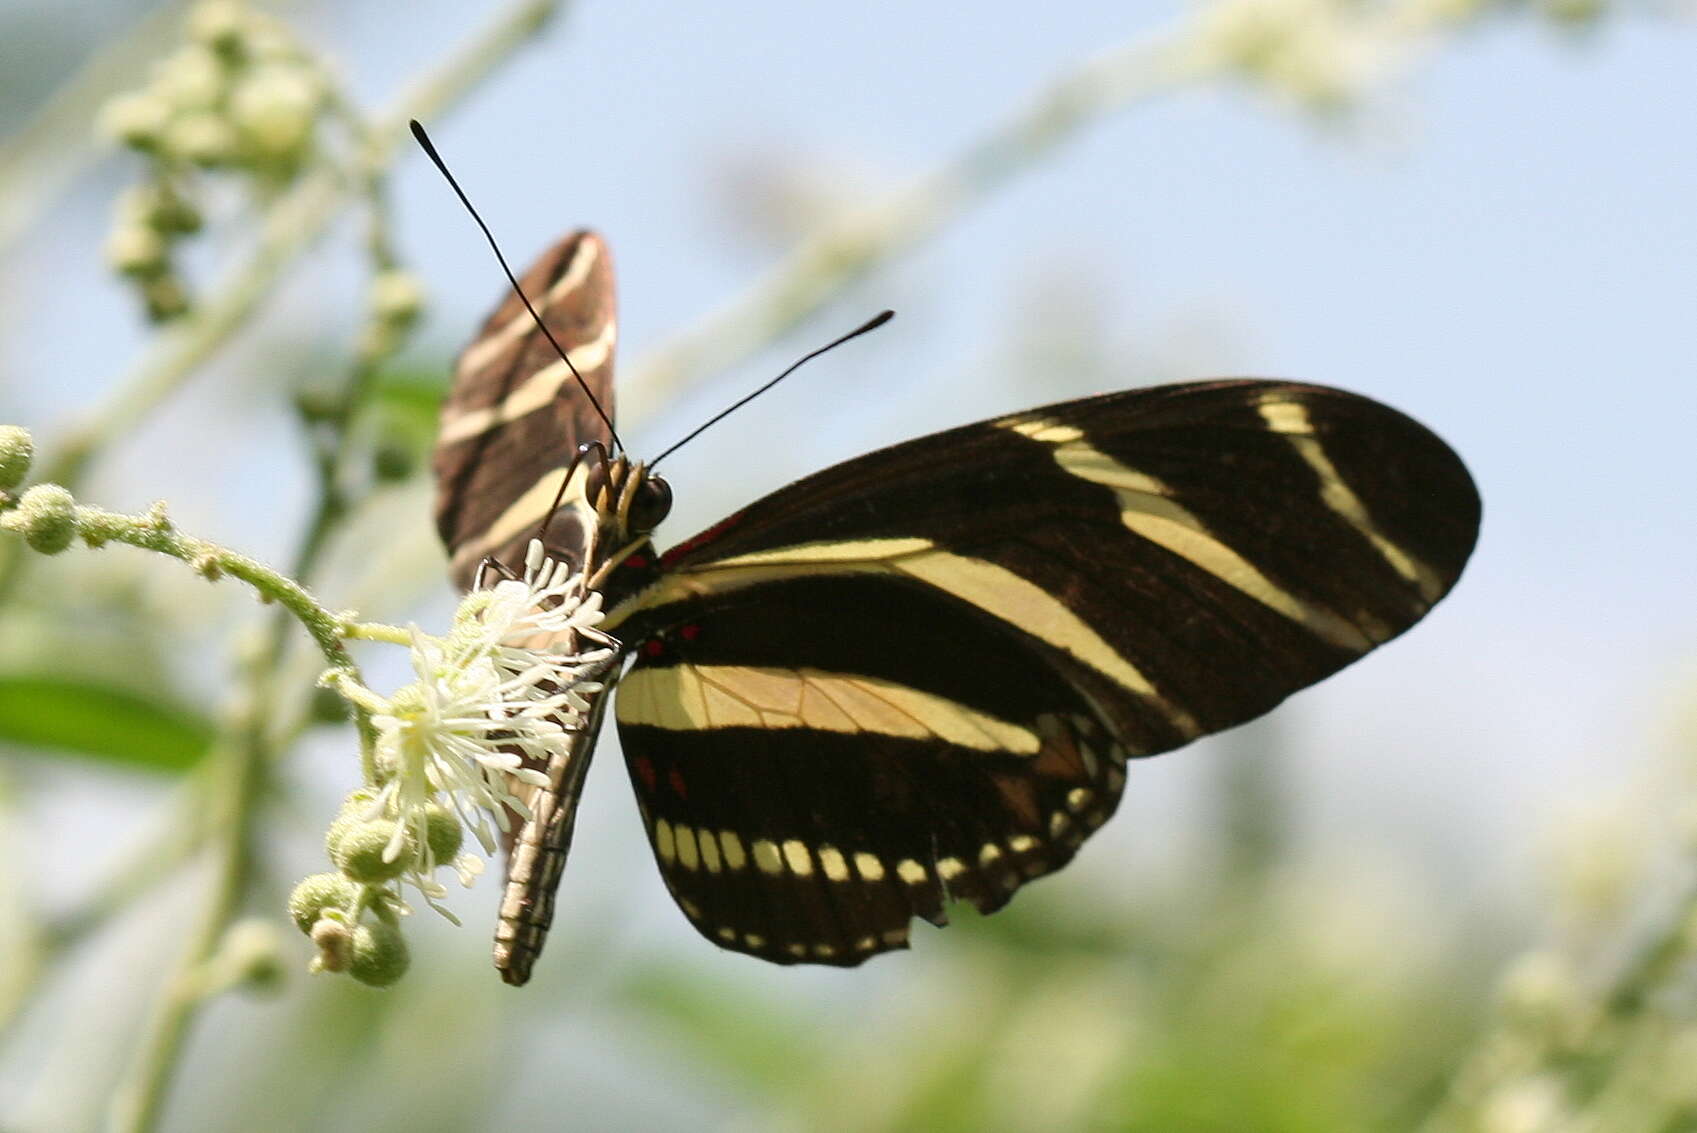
{"points": [[995, 590], [1147, 507], [539, 391], [694, 697], [480, 353], [1290, 419], [526, 512]]}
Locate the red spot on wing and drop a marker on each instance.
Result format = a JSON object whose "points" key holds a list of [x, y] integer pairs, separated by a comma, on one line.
{"points": [[676, 779], [696, 542], [653, 648], [638, 560], [690, 632], [644, 770]]}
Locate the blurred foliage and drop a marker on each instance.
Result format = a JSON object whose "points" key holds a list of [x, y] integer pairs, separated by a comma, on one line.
{"points": [[64, 714]]}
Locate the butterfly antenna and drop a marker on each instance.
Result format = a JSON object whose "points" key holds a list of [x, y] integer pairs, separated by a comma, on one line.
{"points": [[871, 324], [429, 148]]}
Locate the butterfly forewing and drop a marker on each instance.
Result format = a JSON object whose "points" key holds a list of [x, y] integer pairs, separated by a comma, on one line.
{"points": [[515, 416], [917, 675]]}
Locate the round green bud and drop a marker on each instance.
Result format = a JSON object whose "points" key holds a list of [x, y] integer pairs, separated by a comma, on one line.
{"points": [[396, 297], [275, 107], [254, 954], [328, 707], [47, 515], [392, 463], [379, 955], [317, 893], [201, 137], [355, 809], [136, 250], [165, 298], [220, 25], [159, 206], [443, 833], [191, 79], [137, 119], [17, 449], [361, 851]]}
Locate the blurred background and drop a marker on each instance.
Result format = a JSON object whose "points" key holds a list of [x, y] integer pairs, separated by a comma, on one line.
{"points": [[1448, 889]]}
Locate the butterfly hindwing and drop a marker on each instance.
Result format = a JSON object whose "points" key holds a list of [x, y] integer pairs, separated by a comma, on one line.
{"points": [[917, 675], [813, 783]]}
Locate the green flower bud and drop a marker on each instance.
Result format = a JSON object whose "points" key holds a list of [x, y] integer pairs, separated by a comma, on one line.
{"points": [[361, 851], [165, 298], [353, 811], [268, 42], [192, 79], [392, 463], [138, 119], [159, 206], [17, 449], [201, 137], [328, 707], [252, 954], [396, 297], [443, 833], [275, 107], [317, 893], [136, 250], [379, 956], [220, 25], [47, 516]]}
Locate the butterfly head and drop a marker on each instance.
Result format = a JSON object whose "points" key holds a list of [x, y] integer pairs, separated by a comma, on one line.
{"points": [[628, 501]]}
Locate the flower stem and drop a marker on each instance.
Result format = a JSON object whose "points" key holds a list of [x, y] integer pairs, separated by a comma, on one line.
{"points": [[377, 631], [240, 774]]}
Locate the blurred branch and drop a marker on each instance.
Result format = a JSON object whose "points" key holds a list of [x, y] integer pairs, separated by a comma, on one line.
{"points": [[56, 144], [239, 769], [855, 245]]}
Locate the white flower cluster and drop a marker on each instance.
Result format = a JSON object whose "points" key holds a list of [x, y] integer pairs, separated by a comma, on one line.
{"points": [[495, 698], [500, 693]]}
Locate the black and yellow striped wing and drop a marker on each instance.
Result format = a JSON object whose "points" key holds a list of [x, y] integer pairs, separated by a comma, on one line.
{"points": [[515, 416], [919, 675]]}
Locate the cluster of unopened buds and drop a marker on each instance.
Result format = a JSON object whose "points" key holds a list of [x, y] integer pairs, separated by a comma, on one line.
{"points": [[243, 96]]}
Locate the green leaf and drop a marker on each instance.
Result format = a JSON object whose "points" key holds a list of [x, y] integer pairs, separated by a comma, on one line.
{"points": [[101, 720]]}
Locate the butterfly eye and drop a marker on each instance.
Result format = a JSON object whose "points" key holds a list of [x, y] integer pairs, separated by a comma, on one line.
{"points": [[652, 503]]}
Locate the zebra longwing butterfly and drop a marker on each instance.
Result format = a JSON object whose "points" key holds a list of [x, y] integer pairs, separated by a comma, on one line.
{"points": [[920, 675]]}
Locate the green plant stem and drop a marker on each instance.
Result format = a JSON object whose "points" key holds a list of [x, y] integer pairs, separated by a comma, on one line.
{"points": [[853, 246], [240, 775], [377, 631], [154, 532]]}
